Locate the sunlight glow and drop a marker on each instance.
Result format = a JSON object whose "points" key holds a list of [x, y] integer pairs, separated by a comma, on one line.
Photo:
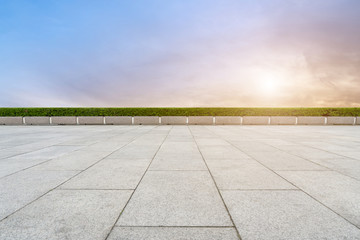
{"points": [[270, 83]]}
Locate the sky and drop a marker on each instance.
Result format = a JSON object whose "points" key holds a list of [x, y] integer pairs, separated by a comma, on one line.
{"points": [[180, 53]]}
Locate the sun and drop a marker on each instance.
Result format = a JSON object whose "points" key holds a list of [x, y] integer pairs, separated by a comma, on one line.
{"points": [[269, 84]]}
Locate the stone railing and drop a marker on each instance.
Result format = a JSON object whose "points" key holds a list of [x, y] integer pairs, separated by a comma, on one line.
{"points": [[180, 120]]}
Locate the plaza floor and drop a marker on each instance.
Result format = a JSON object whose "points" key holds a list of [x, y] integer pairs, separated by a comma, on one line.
{"points": [[179, 182]]}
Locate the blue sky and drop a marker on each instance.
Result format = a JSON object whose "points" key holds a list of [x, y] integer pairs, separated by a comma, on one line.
{"points": [[180, 53]]}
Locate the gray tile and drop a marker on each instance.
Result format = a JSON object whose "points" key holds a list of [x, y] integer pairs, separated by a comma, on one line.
{"points": [[278, 160], [12, 165], [66, 214], [178, 163], [338, 192], [78, 160], [347, 166], [110, 174], [174, 233], [21, 188], [48, 152], [222, 153], [245, 174], [175, 198], [285, 215]]}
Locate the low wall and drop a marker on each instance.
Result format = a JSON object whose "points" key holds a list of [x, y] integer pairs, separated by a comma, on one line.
{"points": [[180, 120]]}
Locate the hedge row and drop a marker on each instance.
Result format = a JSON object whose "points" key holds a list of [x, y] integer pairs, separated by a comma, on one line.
{"points": [[179, 111]]}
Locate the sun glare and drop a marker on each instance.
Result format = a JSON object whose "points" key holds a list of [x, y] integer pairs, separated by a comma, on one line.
{"points": [[269, 84]]}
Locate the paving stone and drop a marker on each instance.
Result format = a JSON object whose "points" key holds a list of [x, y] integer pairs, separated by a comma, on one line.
{"points": [[285, 215], [250, 120], [63, 120], [12, 165], [21, 188], [280, 120], [173, 120], [228, 120], [200, 120], [347, 166], [11, 121], [222, 153], [37, 120], [48, 152], [146, 120], [118, 120], [278, 160], [338, 192], [307, 120], [94, 120], [253, 146], [66, 214], [178, 156], [78, 160], [245, 174], [174, 233], [110, 174], [340, 121], [175, 198]]}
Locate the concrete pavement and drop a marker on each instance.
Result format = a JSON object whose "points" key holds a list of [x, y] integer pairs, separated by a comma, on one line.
{"points": [[179, 182]]}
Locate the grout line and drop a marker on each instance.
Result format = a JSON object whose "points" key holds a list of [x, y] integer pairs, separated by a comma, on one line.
{"points": [[130, 226], [217, 188], [121, 212], [77, 120], [254, 189], [176, 170], [95, 189]]}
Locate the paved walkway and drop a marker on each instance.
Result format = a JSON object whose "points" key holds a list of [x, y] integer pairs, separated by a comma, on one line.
{"points": [[179, 182]]}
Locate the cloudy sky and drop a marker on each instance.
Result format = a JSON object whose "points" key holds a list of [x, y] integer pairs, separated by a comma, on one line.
{"points": [[186, 53]]}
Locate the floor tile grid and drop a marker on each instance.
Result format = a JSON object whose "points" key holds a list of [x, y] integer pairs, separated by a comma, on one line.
{"points": [[47, 160], [293, 185], [212, 177], [306, 159], [56, 187], [124, 208]]}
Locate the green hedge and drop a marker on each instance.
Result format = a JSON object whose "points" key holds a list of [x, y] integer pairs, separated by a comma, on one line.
{"points": [[179, 111]]}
